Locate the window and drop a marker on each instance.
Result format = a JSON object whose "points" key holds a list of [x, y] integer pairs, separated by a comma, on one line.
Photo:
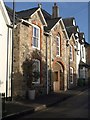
{"points": [[77, 45], [58, 46], [82, 51], [71, 53], [71, 75], [36, 37], [36, 67]]}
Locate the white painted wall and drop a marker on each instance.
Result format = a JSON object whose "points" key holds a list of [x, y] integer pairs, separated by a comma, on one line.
{"points": [[0, 107], [5, 50], [79, 57]]}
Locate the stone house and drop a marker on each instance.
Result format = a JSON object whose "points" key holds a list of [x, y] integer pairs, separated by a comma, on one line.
{"points": [[55, 40], [70, 25], [87, 65]]}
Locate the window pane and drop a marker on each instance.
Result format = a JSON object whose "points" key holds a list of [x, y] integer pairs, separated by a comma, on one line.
{"points": [[71, 53], [36, 67], [35, 40], [34, 31], [57, 45], [37, 33]]}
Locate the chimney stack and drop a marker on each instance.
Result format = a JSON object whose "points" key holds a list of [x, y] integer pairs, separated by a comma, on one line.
{"points": [[55, 11]]}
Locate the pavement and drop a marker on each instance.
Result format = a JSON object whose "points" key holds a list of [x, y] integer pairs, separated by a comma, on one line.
{"points": [[15, 109]]}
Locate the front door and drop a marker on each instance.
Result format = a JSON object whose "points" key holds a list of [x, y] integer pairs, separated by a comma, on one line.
{"points": [[61, 80], [58, 77]]}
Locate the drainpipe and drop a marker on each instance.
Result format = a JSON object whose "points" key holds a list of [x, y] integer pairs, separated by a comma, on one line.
{"points": [[12, 73], [47, 63], [7, 63]]}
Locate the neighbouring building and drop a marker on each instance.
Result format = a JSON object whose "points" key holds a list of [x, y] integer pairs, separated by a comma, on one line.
{"points": [[87, 45], [80, 54], [58, 42], [5, 51]]}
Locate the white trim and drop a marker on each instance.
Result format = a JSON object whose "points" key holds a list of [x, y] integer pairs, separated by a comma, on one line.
{"points": [[4, 12], [58, 37], [29, 23], [55, 25], [71, 51], [64, 29], [39, 9]]}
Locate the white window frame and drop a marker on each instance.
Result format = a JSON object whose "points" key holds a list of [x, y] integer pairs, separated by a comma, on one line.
{"points": [[38, 38], [58, 46], [38, 81], [71, 53], [71, 75], [83, 52], [74, 22]]}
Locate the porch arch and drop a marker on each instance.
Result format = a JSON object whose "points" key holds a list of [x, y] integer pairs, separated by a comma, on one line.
{"points": [[58, 75]]}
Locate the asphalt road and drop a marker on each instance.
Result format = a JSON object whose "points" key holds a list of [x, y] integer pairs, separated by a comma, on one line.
{"points": [[74, 107]]}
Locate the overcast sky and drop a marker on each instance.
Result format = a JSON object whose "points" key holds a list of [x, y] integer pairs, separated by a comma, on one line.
{"points": [[79, 10]]}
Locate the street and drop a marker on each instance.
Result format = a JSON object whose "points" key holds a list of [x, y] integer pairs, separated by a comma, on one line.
{"points": [[74, 107]]}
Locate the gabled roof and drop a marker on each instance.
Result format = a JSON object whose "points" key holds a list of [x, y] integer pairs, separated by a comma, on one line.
{"points": [[71, 30], [51, 23], [81, 37], [10, 13], [46, 14], [68, 21], [82, 64], [87, 44], [26, 13]]}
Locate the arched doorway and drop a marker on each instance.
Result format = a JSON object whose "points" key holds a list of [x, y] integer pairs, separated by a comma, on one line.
{"points": [[58, 77]]}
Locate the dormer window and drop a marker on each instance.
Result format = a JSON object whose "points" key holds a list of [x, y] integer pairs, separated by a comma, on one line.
{"points": [[83, 36], [36, 37], [77, 29]]}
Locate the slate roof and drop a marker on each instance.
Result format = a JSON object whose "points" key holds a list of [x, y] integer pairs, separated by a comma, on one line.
{"points": [[82, 64], [26, 13], [47, 16], [10, 13], [81, 37], [71, 30], [87, 44], [68, 21], [51, 23]]}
